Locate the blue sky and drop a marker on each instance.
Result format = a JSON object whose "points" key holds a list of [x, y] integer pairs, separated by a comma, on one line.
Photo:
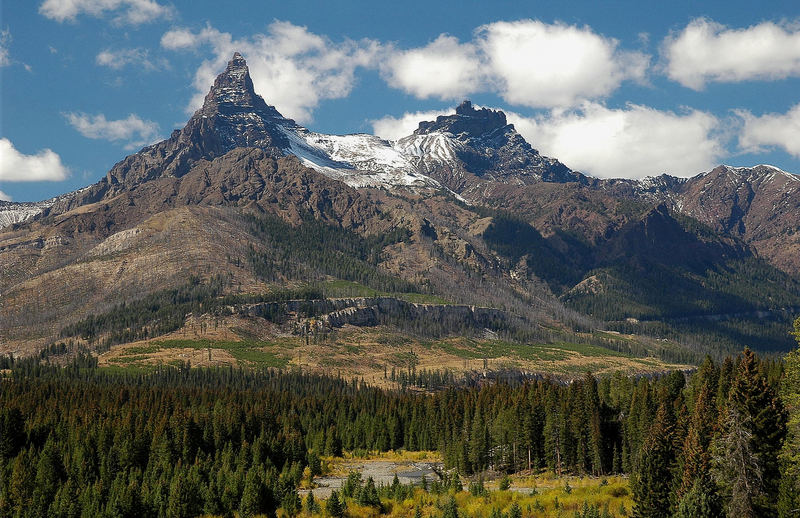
{"points": [[614, 89]]}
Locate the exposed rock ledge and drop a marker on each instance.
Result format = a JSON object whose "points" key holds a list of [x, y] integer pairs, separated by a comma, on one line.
{"points": [[372, 311]]}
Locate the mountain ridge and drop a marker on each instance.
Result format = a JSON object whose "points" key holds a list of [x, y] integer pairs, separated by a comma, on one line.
{"points": [[454, 151], [464, 208]]}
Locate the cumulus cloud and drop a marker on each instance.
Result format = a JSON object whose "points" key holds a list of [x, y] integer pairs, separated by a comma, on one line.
{"points": [[131, 12], [632, 142], [291, 67], [393, 128], [527, 62], [177, 39], [5, 56], [541, 65], [16, 167], [135, 131], [771, 130], [706, 51], [118, 59], [444, 68], [4, 196]]}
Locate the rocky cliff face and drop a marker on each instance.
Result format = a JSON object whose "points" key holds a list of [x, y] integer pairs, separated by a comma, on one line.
{"points": [[760, 205], [373, 311]]}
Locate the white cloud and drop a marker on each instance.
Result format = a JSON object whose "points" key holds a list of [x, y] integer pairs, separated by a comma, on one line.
{"points": [[527, 62], [633, 142], [176, 39], [707, 51], [134, 130], [772, 129], [393, 128], [444, 68], [292, 68], [540, 65], [4, 196], [118, 59], [132, 12], [5, 39], [43, 166]]}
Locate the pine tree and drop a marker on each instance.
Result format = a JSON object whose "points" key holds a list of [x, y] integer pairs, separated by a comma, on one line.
{"points": [[753, 398], [49, 472], [505, 483], [653, 480], [368, 496], [333, 444], [450, 508], [334, 506], [789, 491], [696, 450], [252, 502], [593, 408], [183, 497], [726, 374], [736, 467], [700, 501], [291, 502], [478, 443], [637, 425], [553, 431], [311, 505]]}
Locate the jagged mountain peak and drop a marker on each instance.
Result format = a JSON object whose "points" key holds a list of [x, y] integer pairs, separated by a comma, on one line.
{"points": [[479, 143], [467, 122], [233, 92], [756, 172], [466, 109]]}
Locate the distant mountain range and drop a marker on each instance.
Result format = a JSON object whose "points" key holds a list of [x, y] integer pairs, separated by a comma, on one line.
{"points": [[475, 215]]}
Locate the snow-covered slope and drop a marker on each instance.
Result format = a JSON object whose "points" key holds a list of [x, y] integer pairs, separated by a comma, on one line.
{"points": [[12, 212], [17, 212], [359, 160], [431, 150]]}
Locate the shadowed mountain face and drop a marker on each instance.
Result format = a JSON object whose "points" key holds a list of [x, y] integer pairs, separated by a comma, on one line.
{"points": [[245, 193]]}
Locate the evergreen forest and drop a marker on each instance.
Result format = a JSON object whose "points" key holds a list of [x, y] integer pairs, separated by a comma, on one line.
{"points": [[79, 440]]}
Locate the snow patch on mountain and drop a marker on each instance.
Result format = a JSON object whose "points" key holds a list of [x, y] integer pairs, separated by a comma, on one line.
{"points": [[359, 160], [437, 146], [13, 212], [18, 212]]}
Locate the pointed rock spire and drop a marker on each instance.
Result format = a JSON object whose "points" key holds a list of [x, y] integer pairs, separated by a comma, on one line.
{"points": [[233, 92]]}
